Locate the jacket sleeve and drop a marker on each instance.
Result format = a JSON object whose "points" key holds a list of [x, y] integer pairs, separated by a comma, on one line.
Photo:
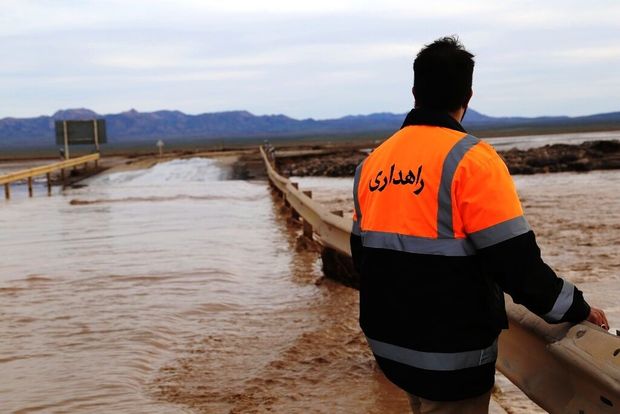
{"points": [[517, 267], [492, 218]]}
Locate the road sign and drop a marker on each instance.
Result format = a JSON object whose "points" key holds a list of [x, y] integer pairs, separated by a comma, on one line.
{"points": [[81, 132]]}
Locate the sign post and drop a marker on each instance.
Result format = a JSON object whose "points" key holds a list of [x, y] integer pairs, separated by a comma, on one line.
{"points": [[66, 137], [96, 130], [96, 134]]}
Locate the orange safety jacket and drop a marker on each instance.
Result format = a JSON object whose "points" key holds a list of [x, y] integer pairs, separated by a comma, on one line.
{"points": [[438, 235]]}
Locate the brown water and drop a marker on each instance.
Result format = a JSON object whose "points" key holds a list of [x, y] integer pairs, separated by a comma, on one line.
{"points": [[171, 290], [176, 289]]}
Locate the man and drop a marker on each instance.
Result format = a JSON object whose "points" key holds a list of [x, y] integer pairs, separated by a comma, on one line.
{"points": [[438, 236]]}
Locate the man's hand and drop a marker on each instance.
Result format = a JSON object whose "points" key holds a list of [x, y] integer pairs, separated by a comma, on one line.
{"points": [[597, 317]]}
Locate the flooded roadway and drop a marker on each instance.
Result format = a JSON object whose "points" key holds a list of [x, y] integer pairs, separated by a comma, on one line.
{"points": [[176, 289], [169, 290]]}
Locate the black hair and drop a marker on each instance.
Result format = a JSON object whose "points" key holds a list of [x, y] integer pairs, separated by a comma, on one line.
{"points": [[443, 72]]}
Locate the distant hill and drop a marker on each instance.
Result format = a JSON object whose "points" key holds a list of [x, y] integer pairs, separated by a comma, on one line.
{"points": [[137, 128]]}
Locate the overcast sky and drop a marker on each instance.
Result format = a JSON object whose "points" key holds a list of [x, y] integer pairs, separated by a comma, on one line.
{"points": [[318, 58]]}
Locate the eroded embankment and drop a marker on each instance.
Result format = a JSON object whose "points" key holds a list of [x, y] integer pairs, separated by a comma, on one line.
{"points": [[593, 155]]}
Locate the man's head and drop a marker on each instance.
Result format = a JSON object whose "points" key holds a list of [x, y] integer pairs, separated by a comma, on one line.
{"points": [[443, 73]]}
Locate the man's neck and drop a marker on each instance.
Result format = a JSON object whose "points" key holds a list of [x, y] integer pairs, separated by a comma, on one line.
{"points": [[458, 114]]}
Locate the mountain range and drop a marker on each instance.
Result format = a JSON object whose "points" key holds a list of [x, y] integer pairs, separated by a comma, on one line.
{"points": [[144, 128]]}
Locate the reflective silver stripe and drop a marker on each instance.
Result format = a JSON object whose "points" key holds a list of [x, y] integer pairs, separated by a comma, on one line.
{"points": [[421, 245], [356, 201], [356, 228], [500, 232], [444, 211], [434, 361], [562, 303]]}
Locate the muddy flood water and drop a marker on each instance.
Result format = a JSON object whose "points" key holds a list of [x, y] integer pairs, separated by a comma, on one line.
{"points": [[177, 289]]}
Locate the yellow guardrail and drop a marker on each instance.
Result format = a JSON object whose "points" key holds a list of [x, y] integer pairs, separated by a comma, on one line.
{"points": [[30, 173], [563, 368]]}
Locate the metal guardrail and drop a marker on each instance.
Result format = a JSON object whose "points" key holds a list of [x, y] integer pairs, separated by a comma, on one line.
{"points": [[333, 231], [563, 368], [30, 173]]}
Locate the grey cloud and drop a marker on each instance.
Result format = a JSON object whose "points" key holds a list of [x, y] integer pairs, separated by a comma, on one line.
{"points": [[320, 61]]}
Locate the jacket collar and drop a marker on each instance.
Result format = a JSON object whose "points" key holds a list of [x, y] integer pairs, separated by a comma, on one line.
{"points": [[420, 116]]}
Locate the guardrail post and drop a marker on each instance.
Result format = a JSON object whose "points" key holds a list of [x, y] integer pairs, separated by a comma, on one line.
{"points": [[307, 231], [30, 186], [7, 191], [294, 214], [49, 184]]}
